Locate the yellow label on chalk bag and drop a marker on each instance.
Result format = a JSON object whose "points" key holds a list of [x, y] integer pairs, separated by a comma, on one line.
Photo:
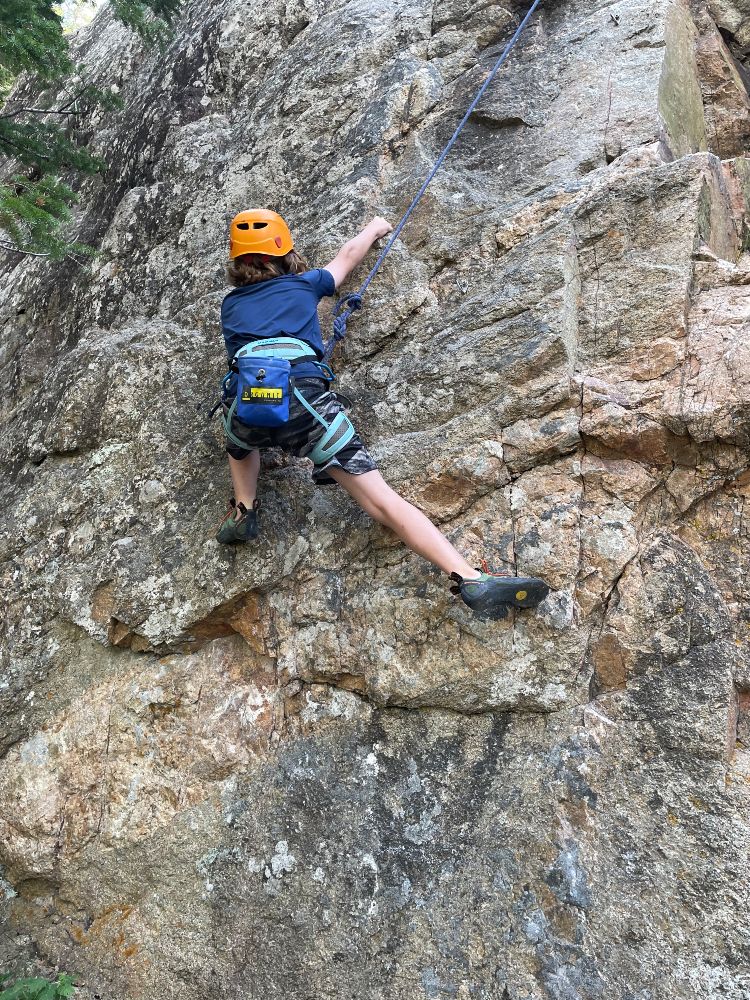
{"points": [[253, 394]]}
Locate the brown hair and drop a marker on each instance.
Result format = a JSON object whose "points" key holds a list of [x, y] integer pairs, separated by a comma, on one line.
{"points": [[250, 268]]}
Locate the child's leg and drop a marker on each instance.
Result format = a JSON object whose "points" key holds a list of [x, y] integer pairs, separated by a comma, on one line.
{"points": [[383, 504], [245, 477]]}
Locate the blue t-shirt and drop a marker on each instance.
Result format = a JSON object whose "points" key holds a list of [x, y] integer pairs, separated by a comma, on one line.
{"points": [[283, 306]]}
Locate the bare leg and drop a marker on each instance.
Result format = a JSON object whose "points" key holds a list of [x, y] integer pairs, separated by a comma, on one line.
{"points": [[245, 477], [384, 505]]}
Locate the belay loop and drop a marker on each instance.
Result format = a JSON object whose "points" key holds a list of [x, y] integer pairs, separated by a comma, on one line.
{"points": [[345, 306]]}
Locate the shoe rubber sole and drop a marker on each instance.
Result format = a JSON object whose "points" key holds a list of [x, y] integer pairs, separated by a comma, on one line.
{"points": [[492, 597]]}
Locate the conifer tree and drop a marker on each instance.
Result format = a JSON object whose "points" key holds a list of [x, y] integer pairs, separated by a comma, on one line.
{"points": [[39, 137]]}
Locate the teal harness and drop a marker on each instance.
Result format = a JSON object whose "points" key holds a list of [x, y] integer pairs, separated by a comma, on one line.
{"points": [[265, 384]]}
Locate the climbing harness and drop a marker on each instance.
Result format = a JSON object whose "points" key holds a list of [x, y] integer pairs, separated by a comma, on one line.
{"points": [[265, 385], [352, 302]]}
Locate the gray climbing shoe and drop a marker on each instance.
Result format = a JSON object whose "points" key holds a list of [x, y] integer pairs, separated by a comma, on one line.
{"points": [[492, 594], [234, 530]]}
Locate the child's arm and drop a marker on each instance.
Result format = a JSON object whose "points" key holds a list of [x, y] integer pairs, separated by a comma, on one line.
{"points": [[354, 251]]}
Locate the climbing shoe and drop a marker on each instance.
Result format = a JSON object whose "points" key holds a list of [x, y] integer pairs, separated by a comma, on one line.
{"points": [[492, 594], [239, 523]]}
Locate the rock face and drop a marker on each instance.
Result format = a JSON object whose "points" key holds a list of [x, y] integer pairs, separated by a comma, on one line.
{"points": [[301, 769]]}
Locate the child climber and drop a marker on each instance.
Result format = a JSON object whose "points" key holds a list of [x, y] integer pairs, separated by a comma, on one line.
{"points": [[276, 296]]}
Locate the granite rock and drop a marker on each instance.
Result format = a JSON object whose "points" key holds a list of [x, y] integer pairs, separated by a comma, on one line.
{"points": [[303, 769]]}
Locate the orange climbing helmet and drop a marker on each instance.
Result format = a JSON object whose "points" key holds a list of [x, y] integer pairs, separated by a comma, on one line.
{"points": [[259, 231]]}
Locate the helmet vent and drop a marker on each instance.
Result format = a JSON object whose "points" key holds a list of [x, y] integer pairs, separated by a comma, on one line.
{"points": [[259, 225], [243, 225]]}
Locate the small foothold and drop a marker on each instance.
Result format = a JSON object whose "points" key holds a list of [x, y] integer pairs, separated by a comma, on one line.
{"points": [[521, 595]]}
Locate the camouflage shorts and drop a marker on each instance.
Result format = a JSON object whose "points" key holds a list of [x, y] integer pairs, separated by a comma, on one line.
{"points": [[302, 431]]}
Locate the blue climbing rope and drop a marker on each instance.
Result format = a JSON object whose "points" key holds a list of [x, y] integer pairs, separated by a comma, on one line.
{"points": [[351, 302]]}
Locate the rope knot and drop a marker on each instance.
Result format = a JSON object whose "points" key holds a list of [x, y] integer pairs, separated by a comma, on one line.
{"points": [[339, 327], [348, 304]]}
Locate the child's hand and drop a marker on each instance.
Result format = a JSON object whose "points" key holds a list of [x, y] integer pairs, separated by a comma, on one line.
{"points": [[354, 251], [379, 227]]}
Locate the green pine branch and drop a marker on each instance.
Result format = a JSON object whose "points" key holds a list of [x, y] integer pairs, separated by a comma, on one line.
{"points": [[44, 145], [151, 19], [32, 40], [41, 133], [33, 214]]}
